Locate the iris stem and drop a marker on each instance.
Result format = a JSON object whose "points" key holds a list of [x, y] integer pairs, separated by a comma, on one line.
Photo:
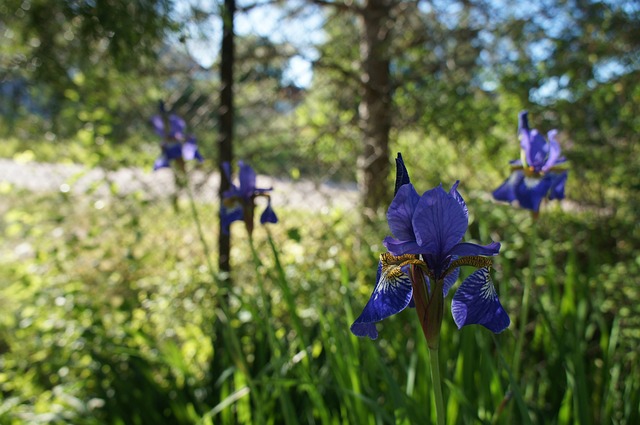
{"points": [[526, 296], [437, 385], [203, 241]]}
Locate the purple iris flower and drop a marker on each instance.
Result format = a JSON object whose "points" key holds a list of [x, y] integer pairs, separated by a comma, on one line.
{"points": [[238, 203], [427, 251], [535, 176], [175, 145]]}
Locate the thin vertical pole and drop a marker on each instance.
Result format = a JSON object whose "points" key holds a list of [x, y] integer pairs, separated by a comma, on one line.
{"points": [[226, 117]]}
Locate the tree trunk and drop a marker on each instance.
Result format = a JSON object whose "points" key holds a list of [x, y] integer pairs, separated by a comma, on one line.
{"points": [[374, 109], [225, 141]]}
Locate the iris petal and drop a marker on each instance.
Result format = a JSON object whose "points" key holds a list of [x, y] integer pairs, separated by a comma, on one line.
{"points": [[401, 212], [365, 329], [268, 216], [454, 192], [538, 150], [464, 249], [523, 121], [247, 177], [554, 151], [523, 131], [439, 222], [161, 162], [173, 151], [398, 247], [177, 127], [158, 125], [507, 191], [228, 216], [391, 295], [476, 302], [402, 175], [531, 191], [190, 150], [557, 186]]}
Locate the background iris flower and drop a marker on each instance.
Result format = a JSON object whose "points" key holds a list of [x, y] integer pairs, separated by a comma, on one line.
{"points": [[423, 264], [534, 176], [174, 145], [238, 203]]}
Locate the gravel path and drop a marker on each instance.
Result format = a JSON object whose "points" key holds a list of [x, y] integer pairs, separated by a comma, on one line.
{"points": [[47, 177]]}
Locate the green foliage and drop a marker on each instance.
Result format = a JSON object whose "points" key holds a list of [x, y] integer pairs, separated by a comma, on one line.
{"points": [[110, 316], [61, 38]]}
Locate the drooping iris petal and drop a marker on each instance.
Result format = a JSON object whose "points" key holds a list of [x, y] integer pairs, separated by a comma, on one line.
{"points": [[401, 212], [402, 175], [531, 191], [228, 215], [507, 191], [190, 150], [557, 186], [439, 222], [476, 302], [464, 249], [173, 151], [161, 162], [268, 215], [367, 329], [390, 296]]}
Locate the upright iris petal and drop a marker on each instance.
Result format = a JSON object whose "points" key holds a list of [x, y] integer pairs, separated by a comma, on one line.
{"points": [[534, 177], [402, 175], [399, 218], [439, 221]]}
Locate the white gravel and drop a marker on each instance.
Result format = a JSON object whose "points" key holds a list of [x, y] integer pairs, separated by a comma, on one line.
{"points": [[47, 177]]}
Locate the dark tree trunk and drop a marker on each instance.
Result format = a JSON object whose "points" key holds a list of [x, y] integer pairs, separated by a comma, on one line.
{"points": [[374, 109], [225, 141]]}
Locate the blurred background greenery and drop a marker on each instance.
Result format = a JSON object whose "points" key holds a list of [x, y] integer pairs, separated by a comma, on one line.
{"points": [[109, 314]]}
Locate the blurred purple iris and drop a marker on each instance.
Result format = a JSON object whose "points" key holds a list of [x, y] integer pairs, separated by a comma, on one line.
{"points": [[428, 232], [238, 203], [535, 176], [175, 145]]}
